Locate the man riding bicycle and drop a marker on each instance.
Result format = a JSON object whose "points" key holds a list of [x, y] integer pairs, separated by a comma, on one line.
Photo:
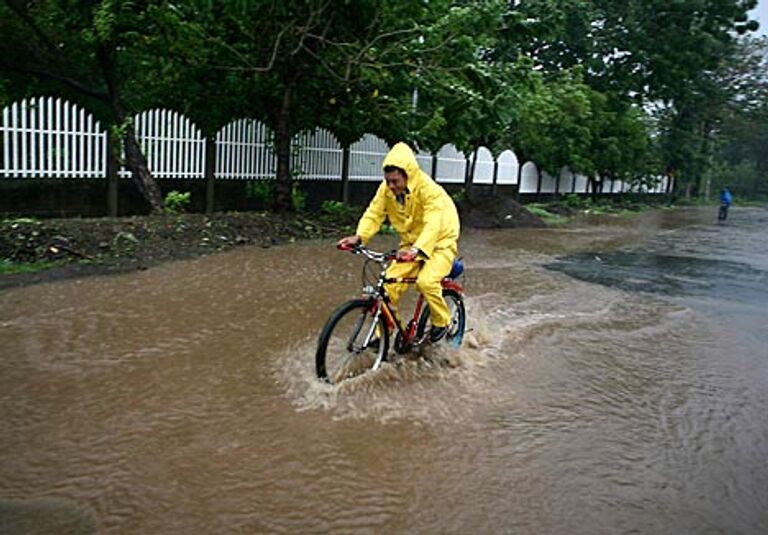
{"points": [[425, 217], [726, 198]]}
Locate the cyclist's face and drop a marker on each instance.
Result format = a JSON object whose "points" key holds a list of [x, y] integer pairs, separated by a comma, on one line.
{"points": [[396, 182]]}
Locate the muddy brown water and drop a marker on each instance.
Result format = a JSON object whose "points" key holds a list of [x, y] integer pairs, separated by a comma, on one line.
{"points": [[615, 380]]}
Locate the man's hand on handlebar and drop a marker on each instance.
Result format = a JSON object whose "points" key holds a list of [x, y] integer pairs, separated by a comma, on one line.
{"points": [[348, 242], [407, 255]]}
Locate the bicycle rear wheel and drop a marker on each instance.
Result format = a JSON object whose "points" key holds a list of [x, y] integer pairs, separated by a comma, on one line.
{"points": [[455, 333], [353, 341]]}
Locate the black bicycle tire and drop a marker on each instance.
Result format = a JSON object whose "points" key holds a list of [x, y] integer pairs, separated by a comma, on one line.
{"points": [[330, 325], [448, 293]]}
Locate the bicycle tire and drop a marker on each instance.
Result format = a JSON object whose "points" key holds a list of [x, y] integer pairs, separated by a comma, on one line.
{"points": [[456, 328], [340, 352]]}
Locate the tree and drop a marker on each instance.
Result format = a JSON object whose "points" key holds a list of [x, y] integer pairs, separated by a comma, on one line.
{"points": [[297, 62], [99, 51], [740, 152]]}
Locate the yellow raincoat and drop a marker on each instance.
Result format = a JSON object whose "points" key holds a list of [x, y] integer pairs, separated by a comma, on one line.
{"points": [[427, 220]]}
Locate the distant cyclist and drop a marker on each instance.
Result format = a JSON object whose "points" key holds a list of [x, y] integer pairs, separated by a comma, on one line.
{"points": [[726, 198], [426, 219]]}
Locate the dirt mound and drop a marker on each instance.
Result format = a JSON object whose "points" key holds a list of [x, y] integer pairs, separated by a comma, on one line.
{"points": [[77, 247], [496, 212], [81, 247]]}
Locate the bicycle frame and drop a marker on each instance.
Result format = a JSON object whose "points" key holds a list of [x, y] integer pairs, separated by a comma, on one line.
{"points": [[381, 303], [358, 331]]}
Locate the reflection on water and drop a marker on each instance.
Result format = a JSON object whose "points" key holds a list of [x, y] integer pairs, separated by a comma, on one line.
{"points": [[647, 271], [614, 379]]}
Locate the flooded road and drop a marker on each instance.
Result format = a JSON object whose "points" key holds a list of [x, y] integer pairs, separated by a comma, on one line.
{"points": [[615, 380]]}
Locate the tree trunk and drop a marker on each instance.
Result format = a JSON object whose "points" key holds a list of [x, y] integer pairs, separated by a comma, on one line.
{"points": [[469, 175], [142, 177], [519, 178], [538, 182], [495, 176], [283, 182], [134, 157], [592, 186], [345, 173]]}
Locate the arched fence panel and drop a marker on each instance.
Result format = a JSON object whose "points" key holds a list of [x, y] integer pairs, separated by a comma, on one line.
{"points": [[425, 160], [582, 183], [366, 157], [548, 183], [451, 165], [565, 181], [173, 145], [508, 168], [484, 165], [317, 155], [659, 184], [244, 151], [528, 178], [48, 137]]}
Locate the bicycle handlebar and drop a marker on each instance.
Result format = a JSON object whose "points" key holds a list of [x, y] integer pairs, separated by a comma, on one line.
{"points": [[376, 256]]}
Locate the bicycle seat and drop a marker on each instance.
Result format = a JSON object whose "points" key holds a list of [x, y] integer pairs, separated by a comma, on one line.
{"points": [[457, 269]]}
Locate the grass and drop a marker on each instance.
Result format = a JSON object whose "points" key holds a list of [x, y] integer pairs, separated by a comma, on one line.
{"points": [[12, 268], [549, 218], [21, 221], [551, 212]]}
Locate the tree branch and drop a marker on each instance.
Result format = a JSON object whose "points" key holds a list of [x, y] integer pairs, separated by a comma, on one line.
{"points": [[74, 84]]}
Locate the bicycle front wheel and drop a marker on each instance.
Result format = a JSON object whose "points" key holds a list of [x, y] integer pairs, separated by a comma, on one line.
{"points": [[353, 341], [455, 333]]}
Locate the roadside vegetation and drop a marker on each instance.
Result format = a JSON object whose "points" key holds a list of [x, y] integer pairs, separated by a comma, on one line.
{"points": [[29, 246], [560, 211]]}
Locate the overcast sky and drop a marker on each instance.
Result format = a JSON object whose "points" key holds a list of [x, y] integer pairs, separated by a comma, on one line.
{"points": [[761, 14]]}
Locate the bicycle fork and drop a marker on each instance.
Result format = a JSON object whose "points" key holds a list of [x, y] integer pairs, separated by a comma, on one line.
{"points": [[371, 331]]}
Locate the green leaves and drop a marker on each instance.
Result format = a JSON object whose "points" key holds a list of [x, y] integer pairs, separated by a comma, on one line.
{"points": [[562, 82]]}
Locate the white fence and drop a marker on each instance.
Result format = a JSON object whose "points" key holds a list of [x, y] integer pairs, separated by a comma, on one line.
{"points": [[244, 151], [173, 145], [49, 138], [366, 157]]}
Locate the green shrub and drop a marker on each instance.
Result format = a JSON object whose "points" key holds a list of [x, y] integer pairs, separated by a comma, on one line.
{"points": [[548, 217], [339, 210], [298, 197], [261, 190], [573, 200], [264, 192], [459, 196], [176, 202]]}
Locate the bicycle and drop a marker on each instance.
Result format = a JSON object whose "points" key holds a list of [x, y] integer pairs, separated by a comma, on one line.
{"points": [[722, 213], [355, 338]]}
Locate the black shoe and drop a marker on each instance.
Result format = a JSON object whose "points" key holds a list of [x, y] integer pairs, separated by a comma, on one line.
{"points": [[437, 333]]}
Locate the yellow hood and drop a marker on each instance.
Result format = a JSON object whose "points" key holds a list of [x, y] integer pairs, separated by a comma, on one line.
{"points": [[427, 219], [403, 157]]}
